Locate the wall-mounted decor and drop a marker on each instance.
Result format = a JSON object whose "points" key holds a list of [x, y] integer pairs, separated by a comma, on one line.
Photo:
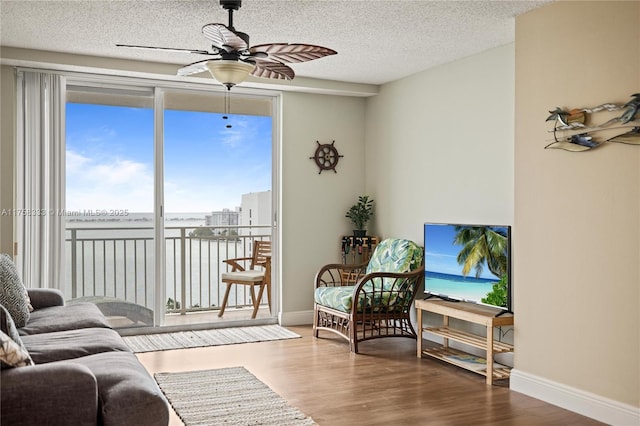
{"points": [[326, 157], [577, 129]]}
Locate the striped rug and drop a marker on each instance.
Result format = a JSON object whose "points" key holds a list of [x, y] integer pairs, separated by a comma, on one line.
{"points": [[201, 338], [230, 396]]}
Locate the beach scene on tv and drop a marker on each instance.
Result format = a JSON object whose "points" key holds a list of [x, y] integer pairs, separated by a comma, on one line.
{"points": [[467, 263]]}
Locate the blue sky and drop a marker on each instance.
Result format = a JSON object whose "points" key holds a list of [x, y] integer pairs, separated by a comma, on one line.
{"points": [[208, 166], [441, 254]]}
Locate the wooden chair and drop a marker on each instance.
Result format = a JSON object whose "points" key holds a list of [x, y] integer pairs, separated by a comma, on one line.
{"points": [[379, 303], [251, 271]]}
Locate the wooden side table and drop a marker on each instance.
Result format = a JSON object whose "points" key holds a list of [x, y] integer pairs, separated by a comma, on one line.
{"points": [[356, 250], [473, 313]]}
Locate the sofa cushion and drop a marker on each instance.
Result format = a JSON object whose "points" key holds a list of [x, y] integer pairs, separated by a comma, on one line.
{"points": [[61, 345], [13, 294], [127, 393], [14, 352], [67, 317]]}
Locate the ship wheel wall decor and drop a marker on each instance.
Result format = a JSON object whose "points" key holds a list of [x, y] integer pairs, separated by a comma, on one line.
{"points": [[326, 157]]}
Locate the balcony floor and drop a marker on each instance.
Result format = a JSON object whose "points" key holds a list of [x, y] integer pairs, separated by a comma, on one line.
{"points": [[196, 320]]}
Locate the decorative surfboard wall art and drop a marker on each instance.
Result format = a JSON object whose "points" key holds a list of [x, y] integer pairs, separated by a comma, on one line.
{"points": [[578, 129]]}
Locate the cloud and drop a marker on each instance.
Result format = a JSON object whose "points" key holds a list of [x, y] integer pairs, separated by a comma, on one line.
{"points": [[124, 184], [108, 183]]}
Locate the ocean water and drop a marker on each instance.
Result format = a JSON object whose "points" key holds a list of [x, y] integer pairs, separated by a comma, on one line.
{"points": [[458, 287], [115, 258]]}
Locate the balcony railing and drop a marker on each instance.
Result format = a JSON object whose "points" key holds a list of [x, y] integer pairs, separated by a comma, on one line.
{"points": [[116, 262]]}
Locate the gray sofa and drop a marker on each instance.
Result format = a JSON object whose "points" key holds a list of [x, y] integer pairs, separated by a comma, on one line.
{"points": [[82, 372]]}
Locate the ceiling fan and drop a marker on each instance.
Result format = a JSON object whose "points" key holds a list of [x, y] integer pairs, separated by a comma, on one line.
{"points": [[232, 60]]}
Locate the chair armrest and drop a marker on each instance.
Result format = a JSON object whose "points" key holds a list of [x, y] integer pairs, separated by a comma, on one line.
{"points": [[45, 297], [235, 265], [391, 290], [339, 274], [53, 393]]}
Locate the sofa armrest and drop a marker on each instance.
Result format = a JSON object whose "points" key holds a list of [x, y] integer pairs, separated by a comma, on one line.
{"points": [[53, 393], [45, 297]]}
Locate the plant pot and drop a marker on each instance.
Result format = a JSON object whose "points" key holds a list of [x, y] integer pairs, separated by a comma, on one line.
{"points": [[359, 232]]}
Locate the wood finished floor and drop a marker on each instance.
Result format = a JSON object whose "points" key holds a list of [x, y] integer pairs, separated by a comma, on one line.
{"points": [[386, 384]]}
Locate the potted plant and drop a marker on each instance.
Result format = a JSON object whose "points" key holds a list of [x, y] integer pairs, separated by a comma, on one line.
{"points": [[360, 213]]}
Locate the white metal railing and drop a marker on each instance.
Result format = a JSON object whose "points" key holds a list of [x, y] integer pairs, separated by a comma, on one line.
{"points": [[113, 261]]}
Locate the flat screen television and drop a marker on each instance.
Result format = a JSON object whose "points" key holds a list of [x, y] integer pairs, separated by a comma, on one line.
{"points": [[470, 263]]}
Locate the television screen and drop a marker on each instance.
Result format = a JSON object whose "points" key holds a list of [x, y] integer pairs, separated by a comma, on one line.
{"points": [[470, 263]]}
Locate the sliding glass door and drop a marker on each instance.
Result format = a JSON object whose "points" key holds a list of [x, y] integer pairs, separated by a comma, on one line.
{"points": [[109, 209], [217, 166], [163, 185]]}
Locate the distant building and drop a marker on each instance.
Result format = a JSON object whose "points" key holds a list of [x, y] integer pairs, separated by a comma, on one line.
{"points": [[226, 217], [256, 210]]}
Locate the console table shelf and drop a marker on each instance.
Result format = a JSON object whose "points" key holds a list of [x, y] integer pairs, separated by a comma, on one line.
{"points": [[447, 355], [473, 313], [469, 339]]}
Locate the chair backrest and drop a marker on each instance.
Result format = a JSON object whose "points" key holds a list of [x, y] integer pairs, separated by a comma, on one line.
{"points": [[395, 255], [261, 250]]}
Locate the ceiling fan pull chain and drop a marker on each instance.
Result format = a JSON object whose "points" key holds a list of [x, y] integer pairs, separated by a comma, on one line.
{"points": [[227, 107]]}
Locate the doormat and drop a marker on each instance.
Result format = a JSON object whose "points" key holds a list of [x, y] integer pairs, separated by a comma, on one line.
{"points": [[202, 338]]}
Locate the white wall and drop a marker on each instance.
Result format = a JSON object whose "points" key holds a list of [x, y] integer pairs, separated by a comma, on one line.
{"points": [[440, 146]]}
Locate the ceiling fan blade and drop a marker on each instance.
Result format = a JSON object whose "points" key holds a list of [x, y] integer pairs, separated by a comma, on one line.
{"points": [[272, 69], [295, 52], [167, 49], [222, 37], [194, 68]]}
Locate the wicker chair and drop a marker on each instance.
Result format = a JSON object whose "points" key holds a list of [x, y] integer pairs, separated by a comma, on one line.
{"points": [[384, 289]]}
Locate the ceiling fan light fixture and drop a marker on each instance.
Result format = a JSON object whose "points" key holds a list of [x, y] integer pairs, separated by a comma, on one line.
{"points": [[228, 72]]}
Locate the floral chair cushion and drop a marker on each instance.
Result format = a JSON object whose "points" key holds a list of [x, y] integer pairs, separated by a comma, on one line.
{"points": [[391, 255], [395, 255], [341, 298]]}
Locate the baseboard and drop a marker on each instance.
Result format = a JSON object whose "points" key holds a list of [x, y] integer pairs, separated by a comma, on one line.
{"points": [[588, 404], [296, 318]]}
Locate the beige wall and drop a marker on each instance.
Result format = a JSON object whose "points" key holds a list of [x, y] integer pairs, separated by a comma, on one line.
{"points": [[314, 204], [440, 146], [577, 215], [7, 117]]}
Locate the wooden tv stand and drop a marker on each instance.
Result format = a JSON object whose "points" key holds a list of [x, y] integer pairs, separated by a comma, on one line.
{"points": [[473, 313]]}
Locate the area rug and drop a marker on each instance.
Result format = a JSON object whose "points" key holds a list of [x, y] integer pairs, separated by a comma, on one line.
{"points": [[213, 337], [227, 396]]}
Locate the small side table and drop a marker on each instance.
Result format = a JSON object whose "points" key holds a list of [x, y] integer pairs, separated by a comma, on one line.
{"points": [[356, 250], [470, 312]]}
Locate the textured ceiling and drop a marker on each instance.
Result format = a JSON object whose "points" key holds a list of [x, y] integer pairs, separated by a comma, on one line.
{"points": [[377, 40]]}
